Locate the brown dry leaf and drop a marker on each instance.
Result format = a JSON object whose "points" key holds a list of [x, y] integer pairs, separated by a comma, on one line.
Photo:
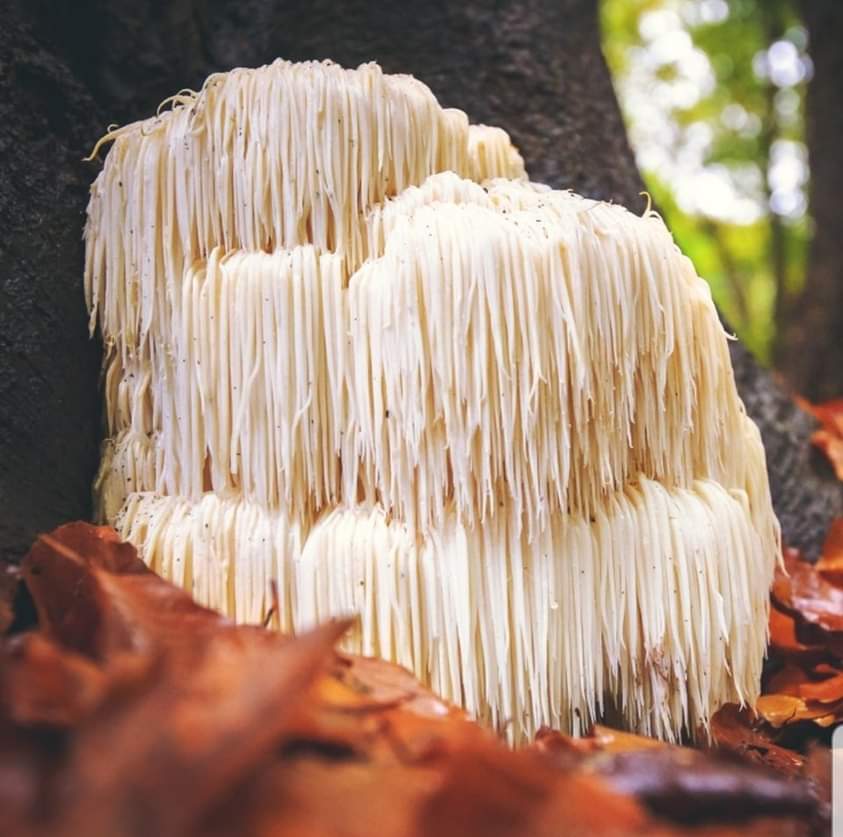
{"points": [[42, 683], [680, 783], [598, 739], [734, 728], [779, 710], [208, 727], [831, 445], [829, 413], [95, 596], [784, 642], [829, 438], [457, 789], [787, 680], [803, 593], [209, 702], [831, 560], [9, 582], [827, 690], [521, 793], [690, 786], [808, 687], [134, 711]]}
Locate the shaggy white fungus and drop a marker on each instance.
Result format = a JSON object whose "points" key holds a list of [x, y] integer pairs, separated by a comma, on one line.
{"points": [[352, 350]]}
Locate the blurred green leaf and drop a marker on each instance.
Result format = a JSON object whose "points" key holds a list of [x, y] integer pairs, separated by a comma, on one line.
{"points": [[725, 126]]}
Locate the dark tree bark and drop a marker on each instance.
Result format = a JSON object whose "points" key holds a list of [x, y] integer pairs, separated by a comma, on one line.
{"points": [[49, 405], [534, 67], [812, 354]]}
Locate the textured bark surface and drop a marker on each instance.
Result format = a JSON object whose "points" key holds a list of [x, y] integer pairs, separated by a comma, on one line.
{"points": [[48, 367], [534, 67], [806, 492], [812, 354]]}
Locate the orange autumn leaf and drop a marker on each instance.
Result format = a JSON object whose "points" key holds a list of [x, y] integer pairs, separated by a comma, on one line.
{"points": [[831, 560], [829, 438], [804, 593], [783, 639], [831, 719], [829, 413], [829, 690], [179, 722], [779, 710], [736, 729], [831, 444], [599, 739], [788, 680]]}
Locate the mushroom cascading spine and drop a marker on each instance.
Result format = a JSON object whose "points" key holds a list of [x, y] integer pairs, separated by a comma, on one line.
{"points": [[351, 349]]}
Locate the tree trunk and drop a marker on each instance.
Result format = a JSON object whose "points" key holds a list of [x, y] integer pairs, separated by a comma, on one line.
{"points": [[534, 67], [49, 404], [812, 355]]}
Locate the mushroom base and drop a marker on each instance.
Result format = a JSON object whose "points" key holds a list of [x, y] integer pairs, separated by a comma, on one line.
{"points": [[656, 606]]}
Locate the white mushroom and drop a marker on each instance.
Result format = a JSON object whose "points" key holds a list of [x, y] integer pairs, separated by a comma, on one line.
{"points": [[350, 348]]}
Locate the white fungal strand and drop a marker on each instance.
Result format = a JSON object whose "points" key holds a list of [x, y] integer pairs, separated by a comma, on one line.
{"points": [[501, 344], [351, 349], [228, 554], [650, 607], [129, 462], [545, 355], [277, 157], [492, 155]]}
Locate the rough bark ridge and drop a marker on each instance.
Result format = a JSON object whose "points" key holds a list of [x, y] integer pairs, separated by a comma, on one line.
{"points": [[533, 67], [49, 405], [813, 345]]}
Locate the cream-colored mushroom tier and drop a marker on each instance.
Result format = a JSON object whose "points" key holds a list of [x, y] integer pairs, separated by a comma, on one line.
{"points": [[349, 348], [283, 155], [501, 343], [653, 607]]}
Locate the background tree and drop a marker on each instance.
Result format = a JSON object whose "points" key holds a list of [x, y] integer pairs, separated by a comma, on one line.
{"points": [[717, 96], [535, 67], [812, 346], [713, 94]]}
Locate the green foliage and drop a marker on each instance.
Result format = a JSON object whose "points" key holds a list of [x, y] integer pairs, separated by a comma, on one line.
{"points": [[713, 97]]}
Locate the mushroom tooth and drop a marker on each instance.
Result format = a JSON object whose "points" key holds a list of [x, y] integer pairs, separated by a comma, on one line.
{"points": [[651, 606], [544, 354], [276, 157], [227, 552], [492, 154], [350, 348]]}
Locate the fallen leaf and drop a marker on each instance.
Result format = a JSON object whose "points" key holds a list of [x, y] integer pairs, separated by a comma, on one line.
{"points": [[829, 413], [787, 680], [734, 728], [9, 583], [207, 728], [598, 739], [831, 559], [132, 711], [827, 690], [95, 596], [832, 446], [779, 709], [42, 683], [803, 593], [680, 783], [829, 438], [784, 641], [689, 786]]}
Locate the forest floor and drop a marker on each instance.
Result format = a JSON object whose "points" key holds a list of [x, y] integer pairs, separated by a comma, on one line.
{"points": [[128, 709]]}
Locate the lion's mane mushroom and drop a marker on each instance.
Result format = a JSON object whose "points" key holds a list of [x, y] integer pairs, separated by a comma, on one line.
{"points": [[350, 348]]}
